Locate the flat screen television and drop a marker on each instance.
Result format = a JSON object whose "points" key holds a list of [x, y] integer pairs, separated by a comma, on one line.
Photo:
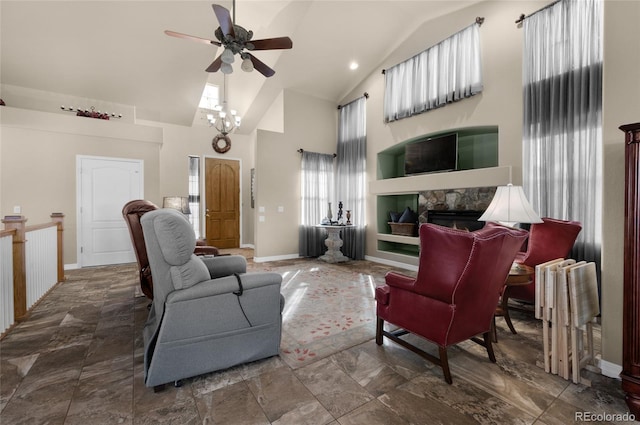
{"points": [[435, 154]]}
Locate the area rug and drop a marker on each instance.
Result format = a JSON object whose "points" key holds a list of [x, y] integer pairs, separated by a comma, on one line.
{"points": [[328, 307]]}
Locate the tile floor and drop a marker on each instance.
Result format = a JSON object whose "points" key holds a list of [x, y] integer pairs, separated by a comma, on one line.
{"points": [[78, 360]]}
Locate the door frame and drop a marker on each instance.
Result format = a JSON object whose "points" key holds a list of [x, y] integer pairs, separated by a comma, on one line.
{"points": [[203, 193], [79, 159]]}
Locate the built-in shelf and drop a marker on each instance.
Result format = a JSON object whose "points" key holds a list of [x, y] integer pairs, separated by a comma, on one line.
{"points": [[398, 248], [477, 148], [409, 240], [493, 176], [477, 167]]}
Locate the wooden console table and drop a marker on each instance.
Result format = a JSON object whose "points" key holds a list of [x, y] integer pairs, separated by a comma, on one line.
{"points": [[631, 319]]}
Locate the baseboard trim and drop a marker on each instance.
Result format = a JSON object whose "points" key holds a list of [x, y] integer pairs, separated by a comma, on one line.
{"points": [[610, 370], [71, 266], [391, 263], [275, 258], [247, 245]]}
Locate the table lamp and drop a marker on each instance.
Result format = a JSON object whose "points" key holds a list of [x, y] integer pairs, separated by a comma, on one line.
{"points": [[509, 206], [180, 203]]}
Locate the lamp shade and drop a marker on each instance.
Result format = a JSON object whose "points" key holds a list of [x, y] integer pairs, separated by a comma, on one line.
{"points": [[180, 203], [510, 206]]}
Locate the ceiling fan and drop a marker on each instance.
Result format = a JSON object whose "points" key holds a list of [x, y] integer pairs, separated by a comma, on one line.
{"points": [[237, 41]]}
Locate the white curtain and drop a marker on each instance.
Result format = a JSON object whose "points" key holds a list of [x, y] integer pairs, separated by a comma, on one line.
{"points": [[449, 71], [562, 133], [317, 171], [351, 169]]}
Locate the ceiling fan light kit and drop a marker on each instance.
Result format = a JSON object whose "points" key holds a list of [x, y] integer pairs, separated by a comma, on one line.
{"points": [[226, 68], [227, 56], [236, 40], [247, 65]]}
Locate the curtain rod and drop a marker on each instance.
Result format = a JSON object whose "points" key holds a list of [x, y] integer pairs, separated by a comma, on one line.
{"points": [[479, 20], [302, 151], [522, 17], [366, 95]]}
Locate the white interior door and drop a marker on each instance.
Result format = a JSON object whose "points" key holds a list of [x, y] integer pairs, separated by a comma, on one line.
{"points": [[106, 184]]}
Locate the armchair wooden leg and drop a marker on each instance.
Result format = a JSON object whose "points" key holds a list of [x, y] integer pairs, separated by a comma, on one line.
{"points": [[394, 336], [379, 330], [487, 343], [444, 363], [494, 331]]}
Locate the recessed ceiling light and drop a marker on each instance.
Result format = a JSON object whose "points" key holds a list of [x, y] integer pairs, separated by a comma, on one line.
{"points": [[353, 65]]}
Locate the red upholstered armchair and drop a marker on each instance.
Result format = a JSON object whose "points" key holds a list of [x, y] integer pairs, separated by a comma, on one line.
{"points": [[132, 211], [454, 296], [548, 240]]}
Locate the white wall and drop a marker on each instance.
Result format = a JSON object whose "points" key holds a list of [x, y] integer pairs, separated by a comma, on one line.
{"points": [[38, 162], [309, 123]]}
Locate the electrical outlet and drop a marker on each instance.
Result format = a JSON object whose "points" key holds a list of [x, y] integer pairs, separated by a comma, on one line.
{"points": [[17, 209]]}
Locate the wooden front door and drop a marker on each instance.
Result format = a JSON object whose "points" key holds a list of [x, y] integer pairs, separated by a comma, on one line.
{"points": [[222, 197]]}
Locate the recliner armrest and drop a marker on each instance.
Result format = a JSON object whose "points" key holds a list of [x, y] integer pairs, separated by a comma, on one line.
{"points": [[225, 285], [225, 265]]}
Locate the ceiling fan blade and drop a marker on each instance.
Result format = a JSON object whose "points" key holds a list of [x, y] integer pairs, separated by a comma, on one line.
{"points": [[272, 43], [224, 18], [261, 67], [215, 65], [191, 37]]}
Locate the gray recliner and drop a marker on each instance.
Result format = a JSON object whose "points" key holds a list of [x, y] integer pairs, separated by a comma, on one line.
{"points": [[207, 313]]}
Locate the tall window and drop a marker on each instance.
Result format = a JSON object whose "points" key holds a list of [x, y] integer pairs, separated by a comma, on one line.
{"points": [[194, 193], [449, 71], [562, 133]]}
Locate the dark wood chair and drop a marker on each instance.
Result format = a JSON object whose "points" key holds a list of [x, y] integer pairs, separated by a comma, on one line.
{"points": [[132, 212]]}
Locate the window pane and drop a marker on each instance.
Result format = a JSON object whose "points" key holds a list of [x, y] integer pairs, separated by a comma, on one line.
{"points": [[194, 193]]}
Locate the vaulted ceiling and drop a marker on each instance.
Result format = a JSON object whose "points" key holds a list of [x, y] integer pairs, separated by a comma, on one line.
{"points": [[117, 51]]}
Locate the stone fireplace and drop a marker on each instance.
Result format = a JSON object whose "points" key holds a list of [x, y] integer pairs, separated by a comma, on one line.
{"points": [[458, 208]]}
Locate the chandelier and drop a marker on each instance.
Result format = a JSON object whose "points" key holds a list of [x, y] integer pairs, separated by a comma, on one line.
{"points": [[223, 119]]}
